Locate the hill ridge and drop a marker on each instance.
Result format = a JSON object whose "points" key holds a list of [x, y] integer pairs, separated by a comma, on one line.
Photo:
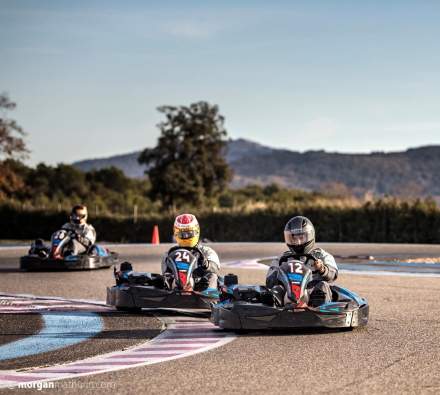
{"points": [[411, 173]]}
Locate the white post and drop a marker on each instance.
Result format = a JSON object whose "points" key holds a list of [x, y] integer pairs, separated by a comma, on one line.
{"points": [[135, 213]]}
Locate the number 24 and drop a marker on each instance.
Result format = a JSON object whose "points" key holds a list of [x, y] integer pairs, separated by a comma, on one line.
{"points": [[182, 257]]}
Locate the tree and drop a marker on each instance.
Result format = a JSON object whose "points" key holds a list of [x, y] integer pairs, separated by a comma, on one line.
{"points": [[12, 178], [111, 178], [57, 182], [11, 135], [188, 165]]}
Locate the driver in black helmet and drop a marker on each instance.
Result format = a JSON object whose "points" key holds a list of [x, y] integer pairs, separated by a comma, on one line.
{"points": [[299, 235], [83, 234]]}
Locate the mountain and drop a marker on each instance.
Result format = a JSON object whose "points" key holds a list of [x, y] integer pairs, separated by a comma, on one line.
{"points": [[126, 162], [415, 172]]}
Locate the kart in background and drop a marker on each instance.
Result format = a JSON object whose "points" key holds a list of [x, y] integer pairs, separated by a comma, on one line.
{"points": [[56, 257]]}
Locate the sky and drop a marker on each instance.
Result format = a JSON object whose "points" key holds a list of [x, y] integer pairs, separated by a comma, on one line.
{"points": [[346, 76]]}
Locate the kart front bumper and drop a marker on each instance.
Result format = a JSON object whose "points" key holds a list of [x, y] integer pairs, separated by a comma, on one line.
{"points": [[35, 263], [144, 296], [258, 316]]}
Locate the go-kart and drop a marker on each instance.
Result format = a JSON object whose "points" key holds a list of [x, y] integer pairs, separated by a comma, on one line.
{"points": [[57, 256], [177, 288], [288, 304]]}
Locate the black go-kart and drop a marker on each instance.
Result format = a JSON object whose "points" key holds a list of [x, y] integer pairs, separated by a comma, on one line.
{"points": [[177, 288], [287, 304], [55, 257]]}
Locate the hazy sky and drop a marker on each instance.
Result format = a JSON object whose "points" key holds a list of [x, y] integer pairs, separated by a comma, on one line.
{"points": [[344, 76]]}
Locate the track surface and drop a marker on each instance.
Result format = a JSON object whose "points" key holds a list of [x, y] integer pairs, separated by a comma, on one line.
{"points": [[397, 353]]}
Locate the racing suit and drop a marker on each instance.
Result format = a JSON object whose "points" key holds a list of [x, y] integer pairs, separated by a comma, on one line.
{"points": [[84, 236], [318, 288], [208, 263]]}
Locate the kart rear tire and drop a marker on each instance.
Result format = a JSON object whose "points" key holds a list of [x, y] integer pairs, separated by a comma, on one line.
{"points": [[126, 266], [230, 279]]}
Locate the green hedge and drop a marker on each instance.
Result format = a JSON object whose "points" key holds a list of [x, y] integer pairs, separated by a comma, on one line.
{"points": [[377, 222]]}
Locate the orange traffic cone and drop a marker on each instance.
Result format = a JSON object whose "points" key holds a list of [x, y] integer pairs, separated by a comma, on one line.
{"points": [[155, 238]]}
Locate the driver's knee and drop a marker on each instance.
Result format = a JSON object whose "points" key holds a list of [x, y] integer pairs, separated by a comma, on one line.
{"points": [[76, 248], [93, 250], [271, 279], [209, 278], [320, 293], [212, 279]]}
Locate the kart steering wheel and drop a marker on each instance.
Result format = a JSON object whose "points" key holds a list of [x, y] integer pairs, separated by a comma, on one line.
{"points": [[308, 256]]}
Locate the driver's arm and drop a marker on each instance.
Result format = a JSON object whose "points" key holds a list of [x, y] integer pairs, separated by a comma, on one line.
{"points": [[329, 269], [67, 226], [88, 237], [163, 263], [211, 260], [325, 265], [91, 234]]}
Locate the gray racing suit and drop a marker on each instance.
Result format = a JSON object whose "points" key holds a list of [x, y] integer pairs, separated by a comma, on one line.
{"points": [[318, 287], [85, 237], [207, 260]]}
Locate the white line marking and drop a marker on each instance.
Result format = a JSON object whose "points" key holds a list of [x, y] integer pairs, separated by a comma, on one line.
{"points": [[245, 264], [254, 264], [388, 273], [186, 337]]}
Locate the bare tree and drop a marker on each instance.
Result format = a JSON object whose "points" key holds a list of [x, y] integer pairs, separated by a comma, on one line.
{"points": [[12, 144]]}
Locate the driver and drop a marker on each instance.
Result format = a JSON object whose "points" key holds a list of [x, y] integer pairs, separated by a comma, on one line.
{"points": [[187, 233], [299, 235], [83, 234]]}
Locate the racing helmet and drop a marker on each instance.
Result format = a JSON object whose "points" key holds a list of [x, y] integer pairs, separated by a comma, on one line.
{"points": [[79, 213], [299, 235], [186, 230]]}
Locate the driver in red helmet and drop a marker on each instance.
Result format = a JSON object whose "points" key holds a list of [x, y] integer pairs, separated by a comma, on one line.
{"points": [[187, 234]]}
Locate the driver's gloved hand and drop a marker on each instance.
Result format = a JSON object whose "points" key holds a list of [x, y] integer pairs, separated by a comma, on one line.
{"points": [[73, 235], [83, 240], [319, 266], [205, 264]]}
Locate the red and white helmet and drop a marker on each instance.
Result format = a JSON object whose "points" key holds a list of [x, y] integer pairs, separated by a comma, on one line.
{"points": [[186, 230]]}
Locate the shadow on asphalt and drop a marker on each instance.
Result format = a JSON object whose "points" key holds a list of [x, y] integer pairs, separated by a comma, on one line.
{"points": [[10, 270], [244, 333], [162, 313], [293, 332]]}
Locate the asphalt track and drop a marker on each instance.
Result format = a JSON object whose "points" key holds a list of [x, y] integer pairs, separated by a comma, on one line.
{"points": [[398, 352]]}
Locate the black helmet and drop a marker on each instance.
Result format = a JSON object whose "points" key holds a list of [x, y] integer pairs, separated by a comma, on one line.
{"points": [[78, 213], [299, 235]]}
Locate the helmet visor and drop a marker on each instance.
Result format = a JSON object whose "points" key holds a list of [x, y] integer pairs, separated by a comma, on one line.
{"points": [[77, 217], [186, 234], [297, 239]]}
